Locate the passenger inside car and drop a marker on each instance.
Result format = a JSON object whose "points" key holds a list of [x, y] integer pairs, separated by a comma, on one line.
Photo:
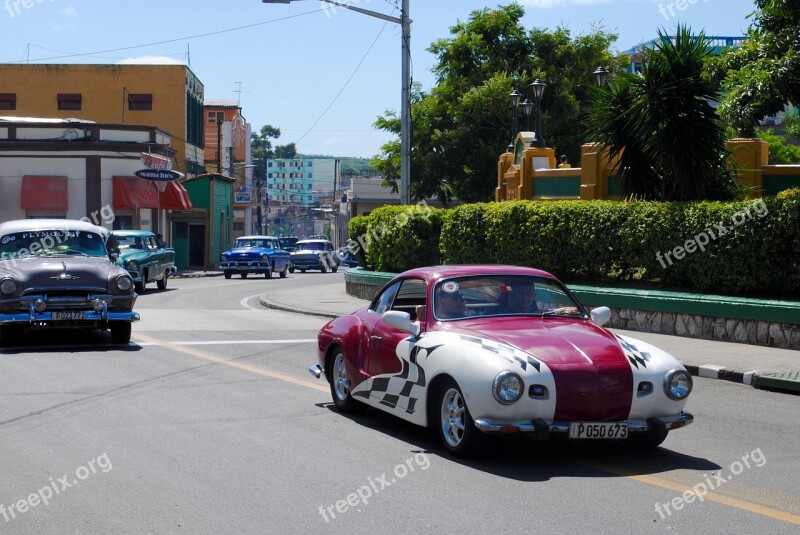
{"points": [[449, 303]]}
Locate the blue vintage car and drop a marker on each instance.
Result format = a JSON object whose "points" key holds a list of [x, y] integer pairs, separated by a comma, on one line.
{"points": [[145, 258], [255, 254]]}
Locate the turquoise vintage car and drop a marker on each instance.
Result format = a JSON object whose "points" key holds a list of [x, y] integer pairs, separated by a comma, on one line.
{"points": [[145, 259]]}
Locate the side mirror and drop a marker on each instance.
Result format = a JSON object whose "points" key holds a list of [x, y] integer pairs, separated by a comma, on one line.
{"points": [[600, 315], [401, 321]]}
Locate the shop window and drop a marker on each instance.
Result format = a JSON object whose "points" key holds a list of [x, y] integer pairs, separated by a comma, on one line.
{"points": [[69, 101]]}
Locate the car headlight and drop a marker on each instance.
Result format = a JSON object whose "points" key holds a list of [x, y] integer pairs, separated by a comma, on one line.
{"points": [[678, 384], [8, 286], [507, 387], [265, 258], [123, 283], [130, 265]]}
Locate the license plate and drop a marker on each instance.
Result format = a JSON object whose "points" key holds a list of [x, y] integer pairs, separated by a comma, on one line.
{"points": [[243, 268], [69, 315], [598, 430]]}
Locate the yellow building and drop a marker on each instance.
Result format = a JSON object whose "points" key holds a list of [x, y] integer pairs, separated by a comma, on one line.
{"points": [[167, 96]]}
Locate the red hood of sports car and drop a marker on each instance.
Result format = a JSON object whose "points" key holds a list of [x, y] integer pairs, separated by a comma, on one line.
{"points": [[594, 380]]}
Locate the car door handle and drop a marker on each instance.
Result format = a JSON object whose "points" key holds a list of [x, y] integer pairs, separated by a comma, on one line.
{"points": [[375, 338]]}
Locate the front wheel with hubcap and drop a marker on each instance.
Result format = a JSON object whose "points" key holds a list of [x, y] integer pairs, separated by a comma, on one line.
{"points": [[227, 274], [340, 384], [162, 282], [457, 431]]}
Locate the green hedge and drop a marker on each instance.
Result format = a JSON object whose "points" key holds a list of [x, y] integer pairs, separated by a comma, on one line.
{"points": [[397, 238], [745, 247]]}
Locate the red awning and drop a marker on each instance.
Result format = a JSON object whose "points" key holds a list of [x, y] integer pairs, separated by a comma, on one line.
{"points": [[44, 193], [132, 192], [175, 197]]}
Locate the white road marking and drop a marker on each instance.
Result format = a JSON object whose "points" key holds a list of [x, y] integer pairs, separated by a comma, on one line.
{"points": [[226, 342]]}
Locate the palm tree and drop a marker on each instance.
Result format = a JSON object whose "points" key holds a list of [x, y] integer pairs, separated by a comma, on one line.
{"points": [[661, 126]]}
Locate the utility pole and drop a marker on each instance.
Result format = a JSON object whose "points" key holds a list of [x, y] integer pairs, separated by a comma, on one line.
{"points": [[219, 145]]}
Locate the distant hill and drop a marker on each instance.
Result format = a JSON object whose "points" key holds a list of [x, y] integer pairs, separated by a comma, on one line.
{"points": [[349, 166]]}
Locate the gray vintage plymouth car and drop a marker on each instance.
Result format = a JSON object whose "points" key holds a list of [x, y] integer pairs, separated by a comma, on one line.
{"points": [[60, 273]]}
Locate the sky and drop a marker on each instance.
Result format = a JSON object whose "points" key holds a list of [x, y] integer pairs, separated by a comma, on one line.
{"points": [[319, 73]]}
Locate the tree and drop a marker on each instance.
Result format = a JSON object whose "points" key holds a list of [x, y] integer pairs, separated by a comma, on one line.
{"points": [[764, 74], [286, 151], [260, 144], [668, 139], [462, 125]]}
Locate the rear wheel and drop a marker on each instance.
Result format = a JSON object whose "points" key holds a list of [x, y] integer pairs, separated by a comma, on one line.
{"points": [[302, 270], [268, 274], [227, 274], [324, 268], [162, 282], [340, 384], [291, 270], [243, 275], [120, 333], [284, 272]]}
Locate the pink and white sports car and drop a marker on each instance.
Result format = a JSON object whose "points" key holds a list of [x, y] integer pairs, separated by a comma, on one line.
{"points": [[480, 350]]}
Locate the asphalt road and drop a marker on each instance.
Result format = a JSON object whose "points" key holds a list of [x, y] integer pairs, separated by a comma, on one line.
{"points": [[209, 423]]}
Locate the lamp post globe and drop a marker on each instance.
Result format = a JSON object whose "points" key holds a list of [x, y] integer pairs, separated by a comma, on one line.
{"points": [[538, 91]]}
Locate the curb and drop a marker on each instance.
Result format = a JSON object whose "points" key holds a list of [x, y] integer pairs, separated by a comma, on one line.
{"points": [[286, 308], [195, 274], [787, 382]]}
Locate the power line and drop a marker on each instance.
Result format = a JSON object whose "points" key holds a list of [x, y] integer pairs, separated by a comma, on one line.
{"points": [[345, 84], [197, 36]]}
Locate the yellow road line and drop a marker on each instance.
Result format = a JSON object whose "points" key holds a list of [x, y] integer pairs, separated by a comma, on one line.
{"points": [[710, 496], [650, 480], [233, 364]]}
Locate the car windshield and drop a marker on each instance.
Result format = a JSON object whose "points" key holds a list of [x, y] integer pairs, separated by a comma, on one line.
{"points": [[310, 246], [51, 242], [130, 242], [242, 243], [287, 242], [502, 295]]}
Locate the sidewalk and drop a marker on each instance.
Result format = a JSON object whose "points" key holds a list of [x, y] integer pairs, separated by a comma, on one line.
{"points": [[762, 367]]}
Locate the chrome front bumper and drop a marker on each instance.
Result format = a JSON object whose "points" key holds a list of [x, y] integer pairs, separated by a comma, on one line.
{"points": [[84, 306], [542, 429]]}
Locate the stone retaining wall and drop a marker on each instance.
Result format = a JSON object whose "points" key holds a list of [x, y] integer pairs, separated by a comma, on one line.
{"points": [[695, 326]]}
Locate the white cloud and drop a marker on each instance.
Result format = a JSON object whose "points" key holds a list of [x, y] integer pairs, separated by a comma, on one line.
{"points": [[69, 11], [332, 141], [151, 60]]}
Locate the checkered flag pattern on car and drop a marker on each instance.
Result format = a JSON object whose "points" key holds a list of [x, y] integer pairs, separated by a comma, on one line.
{"points": [[512, 355], [635, 356], [395, 390]]}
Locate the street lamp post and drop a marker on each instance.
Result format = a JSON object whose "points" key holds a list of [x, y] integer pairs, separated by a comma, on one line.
{"points": [[528, 107], [405, 103], [601, 76], [538, 90], [515, 97]]}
